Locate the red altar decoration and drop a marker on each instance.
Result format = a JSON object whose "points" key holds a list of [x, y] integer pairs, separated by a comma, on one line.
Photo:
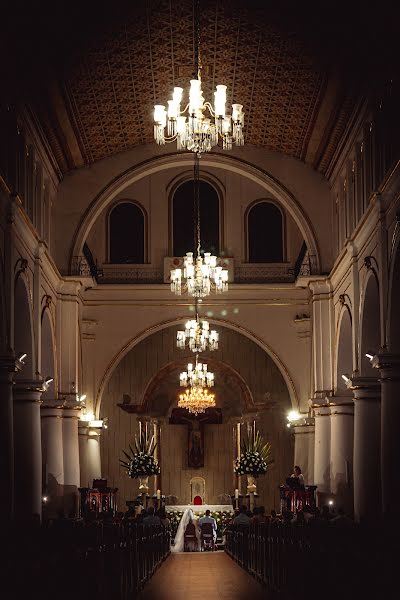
{"points": [[98, 500], [296, 499], [197, 501]]}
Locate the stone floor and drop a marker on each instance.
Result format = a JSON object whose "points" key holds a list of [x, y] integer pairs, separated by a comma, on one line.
{"points": [[201, 575]]}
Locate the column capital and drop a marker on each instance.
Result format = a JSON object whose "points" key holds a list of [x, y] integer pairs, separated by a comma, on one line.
{"points": [[9, 365], [28, 390], [85, 429], [302, 428], [365, 388], [389, 365]]}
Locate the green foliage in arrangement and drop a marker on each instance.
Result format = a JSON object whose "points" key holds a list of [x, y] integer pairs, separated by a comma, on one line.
{"points": [[141, 462], [255, 456]]}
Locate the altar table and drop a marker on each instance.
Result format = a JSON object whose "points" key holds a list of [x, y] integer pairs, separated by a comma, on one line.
{"points": [[200, 508]]}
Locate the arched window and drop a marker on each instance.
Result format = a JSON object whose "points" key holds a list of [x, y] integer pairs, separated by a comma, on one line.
{"points": [[183, 218], [126, 234], [265, 233]]}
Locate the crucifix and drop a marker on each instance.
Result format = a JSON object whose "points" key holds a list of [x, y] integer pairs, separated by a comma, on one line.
{"points": [[180, 416]]}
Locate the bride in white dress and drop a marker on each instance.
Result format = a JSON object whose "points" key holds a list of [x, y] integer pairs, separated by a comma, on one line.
{"points": [[187, 517]]}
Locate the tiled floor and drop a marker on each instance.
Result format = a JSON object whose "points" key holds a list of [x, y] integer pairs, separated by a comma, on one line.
{"points": [[201, 575]]}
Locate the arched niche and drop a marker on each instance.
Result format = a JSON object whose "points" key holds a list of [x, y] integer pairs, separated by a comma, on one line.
{"points": [[265, 228], [23, 327], [48, 355], [127, 224], [183, 215], [369, 325], [344, 356], [230, 164]]}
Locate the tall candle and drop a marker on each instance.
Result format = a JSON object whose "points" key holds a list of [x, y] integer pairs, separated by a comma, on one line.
{"points": [[236, 494], [158, 494]]}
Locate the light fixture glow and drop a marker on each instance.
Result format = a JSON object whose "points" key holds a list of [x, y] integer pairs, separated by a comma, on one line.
{"points": [[21, 357], [82, 398], [87, 417], [293, 415], [345, 378], [96, 423], [48, 380], [197, 336], [199, 376], [45, 498], [368, 355], [330, 502]]}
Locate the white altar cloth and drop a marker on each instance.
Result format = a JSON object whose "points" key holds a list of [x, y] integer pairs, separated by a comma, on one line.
{"points": [[200, 508]]}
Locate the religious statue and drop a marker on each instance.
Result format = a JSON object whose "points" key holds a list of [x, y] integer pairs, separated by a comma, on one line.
{"points": [[195, 432]]}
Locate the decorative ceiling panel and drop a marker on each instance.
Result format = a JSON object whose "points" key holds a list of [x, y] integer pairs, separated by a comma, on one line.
{"points": [[111, 89]]}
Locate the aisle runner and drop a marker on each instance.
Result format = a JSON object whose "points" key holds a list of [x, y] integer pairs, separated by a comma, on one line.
{"points": [[201, 576]]}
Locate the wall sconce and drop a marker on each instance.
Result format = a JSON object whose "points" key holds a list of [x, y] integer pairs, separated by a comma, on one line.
{"points": [[346, 378], [369, 355], [82, 398], [21, 357]]}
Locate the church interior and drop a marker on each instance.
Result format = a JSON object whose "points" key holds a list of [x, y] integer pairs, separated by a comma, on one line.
{"points": [[199, 301]]}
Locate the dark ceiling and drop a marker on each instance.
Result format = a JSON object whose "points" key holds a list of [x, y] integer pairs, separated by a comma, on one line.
{"points": [[93, 72]]}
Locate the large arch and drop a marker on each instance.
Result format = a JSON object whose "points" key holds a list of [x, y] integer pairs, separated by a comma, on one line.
{"points": [[117, 358], [23, 327], [48, 355], [165, 162], [344, 349], [3, 321], [370, 334], [393, 318]]}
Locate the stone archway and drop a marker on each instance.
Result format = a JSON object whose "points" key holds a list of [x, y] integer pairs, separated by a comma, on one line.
{"points": [[23, 327], [145, 383], [230, 164], [370, 335], [344, 350]]}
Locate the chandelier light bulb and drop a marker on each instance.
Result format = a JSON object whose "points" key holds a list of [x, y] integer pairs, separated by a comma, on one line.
{"points": [[196, 376]]}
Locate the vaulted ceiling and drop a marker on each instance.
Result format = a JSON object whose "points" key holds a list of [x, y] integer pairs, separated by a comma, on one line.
{"points": [[101, 102]]}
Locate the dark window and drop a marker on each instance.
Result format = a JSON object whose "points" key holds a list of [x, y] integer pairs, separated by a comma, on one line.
{"points": [[126, 234], [265, 233], [183, 219]]}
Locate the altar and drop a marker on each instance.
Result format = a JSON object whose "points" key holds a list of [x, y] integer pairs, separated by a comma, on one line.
{"points": [[200, 508]]}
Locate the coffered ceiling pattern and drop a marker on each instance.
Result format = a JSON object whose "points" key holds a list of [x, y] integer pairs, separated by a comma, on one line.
{"points": [[110, 90]]}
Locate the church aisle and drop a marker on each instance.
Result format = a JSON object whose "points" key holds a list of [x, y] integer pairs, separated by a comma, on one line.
{"points": [[201, 576]]}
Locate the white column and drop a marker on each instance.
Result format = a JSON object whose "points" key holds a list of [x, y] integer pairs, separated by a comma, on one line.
{"points": [[389, 367], [342, 436], [323, 332], [8, 367], [89, 453], [322, 451], [53, 458], [367, 448], [71, 459], [304, 443], [27, 449]]}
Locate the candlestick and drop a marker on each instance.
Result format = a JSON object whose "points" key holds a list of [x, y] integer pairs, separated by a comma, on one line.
{"points": [[236, 493], [158, 494]]}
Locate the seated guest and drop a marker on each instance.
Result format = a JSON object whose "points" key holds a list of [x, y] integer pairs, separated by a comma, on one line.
{"points": [[165, 522], [274, 519], [242, 518], [259, 515], [151, 519], [209, 519]]}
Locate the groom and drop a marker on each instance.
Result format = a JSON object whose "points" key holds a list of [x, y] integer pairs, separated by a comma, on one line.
{"points": [[209, 519]]}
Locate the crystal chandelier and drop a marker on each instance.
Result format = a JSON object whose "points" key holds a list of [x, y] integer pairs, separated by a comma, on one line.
{"points": [[205, 123], [199, 376], [197, 336], [201, 275], [196, 400]]}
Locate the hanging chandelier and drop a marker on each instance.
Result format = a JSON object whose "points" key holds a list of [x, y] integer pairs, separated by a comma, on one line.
{"points": [[197, 336], [199, 376], [196, 400], [200, 125], [200, 275]]}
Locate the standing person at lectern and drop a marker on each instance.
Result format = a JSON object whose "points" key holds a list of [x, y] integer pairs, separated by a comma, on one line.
{"points": [[296, 480]]}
